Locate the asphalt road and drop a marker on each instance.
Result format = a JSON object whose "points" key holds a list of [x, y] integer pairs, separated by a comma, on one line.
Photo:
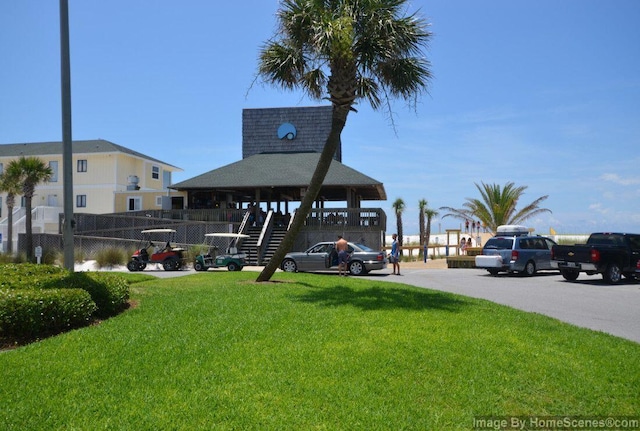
{"points": [[587, 302]]}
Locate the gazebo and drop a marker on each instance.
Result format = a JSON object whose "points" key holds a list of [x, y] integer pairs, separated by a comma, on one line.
{"points": [[281, 148]]}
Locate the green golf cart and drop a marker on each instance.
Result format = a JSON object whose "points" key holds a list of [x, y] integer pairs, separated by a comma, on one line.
{"points": [[230, 258]]}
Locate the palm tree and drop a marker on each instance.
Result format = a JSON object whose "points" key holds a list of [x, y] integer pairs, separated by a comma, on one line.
{"points": [[32, 171], [422, 205], [430, 213], [10, 183], [497, 206], [343, 51], [398, 208]]}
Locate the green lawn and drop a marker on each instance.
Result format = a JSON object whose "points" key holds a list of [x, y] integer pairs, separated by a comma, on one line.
{"points": [[218, 351]]}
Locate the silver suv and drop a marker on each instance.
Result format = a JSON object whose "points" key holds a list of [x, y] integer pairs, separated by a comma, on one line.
{"points": [[524, 254]]}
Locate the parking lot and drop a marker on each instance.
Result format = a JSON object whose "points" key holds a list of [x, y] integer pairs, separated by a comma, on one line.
{"points": [[587, 302]]}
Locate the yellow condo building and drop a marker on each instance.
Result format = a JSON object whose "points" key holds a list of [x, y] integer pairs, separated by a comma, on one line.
{"points": [[107, 178]]}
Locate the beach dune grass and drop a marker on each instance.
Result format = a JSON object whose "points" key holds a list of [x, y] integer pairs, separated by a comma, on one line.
{"points": [[218, 351]]}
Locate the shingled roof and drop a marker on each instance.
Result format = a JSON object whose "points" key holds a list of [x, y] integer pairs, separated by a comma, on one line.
{"points": [[291, 171], [312, 126], [78, 147]]}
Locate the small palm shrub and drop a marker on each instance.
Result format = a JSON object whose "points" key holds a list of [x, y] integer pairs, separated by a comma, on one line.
{"points": [[110, 257]]}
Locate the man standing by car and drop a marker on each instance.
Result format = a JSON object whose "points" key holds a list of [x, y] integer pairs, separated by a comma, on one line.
{"points": [[343, 256], [394, 257]]}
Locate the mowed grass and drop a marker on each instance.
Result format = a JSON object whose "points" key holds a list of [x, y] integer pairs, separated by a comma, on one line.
{"points": [[219, 351]]}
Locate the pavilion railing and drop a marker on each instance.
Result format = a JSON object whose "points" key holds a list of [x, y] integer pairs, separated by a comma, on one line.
{"points": [[347, 219]]}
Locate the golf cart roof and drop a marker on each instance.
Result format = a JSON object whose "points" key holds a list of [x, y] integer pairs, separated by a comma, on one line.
{"points": [[227, 235], [159, 231]]}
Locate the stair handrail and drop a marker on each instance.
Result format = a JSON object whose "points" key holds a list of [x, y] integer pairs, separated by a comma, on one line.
{"points": [[241, 228], [245, 220], [291, 219], [267, 227]]}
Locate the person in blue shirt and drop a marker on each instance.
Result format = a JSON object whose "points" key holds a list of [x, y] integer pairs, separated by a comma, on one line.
{"points": [[394, 257]]}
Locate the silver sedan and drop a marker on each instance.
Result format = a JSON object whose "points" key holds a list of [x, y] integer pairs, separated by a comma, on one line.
{"points": [[323, 256]]}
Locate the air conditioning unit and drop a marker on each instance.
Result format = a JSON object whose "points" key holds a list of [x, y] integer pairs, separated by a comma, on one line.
{"points": [[133, 181]]}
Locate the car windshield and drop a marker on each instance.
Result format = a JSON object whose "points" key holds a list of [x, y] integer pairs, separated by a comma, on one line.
{"points": [[499, 244]]}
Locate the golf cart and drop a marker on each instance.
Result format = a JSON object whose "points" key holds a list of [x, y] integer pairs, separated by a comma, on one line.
{"points": [[233, 260], [160, 252]]}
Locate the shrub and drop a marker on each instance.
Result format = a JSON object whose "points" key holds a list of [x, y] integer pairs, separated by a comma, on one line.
{"points": [[109, 257], [32, 313], [78, 255], [109, 291], [29, 275], [50, 256]]}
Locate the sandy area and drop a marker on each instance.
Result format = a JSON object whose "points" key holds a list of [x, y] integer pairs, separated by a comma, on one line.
{"points": [[431, 264]]}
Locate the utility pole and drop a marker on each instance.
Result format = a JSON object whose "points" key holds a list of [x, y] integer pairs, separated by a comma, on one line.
{"points": [[67, 147]]}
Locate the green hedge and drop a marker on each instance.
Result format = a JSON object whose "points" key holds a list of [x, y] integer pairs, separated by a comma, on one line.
{"points": [[30, 276], [36, 300], [33, 313], [109, 291]]}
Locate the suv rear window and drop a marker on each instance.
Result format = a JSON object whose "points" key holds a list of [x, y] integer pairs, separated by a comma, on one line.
{"points": [[499, 243]]}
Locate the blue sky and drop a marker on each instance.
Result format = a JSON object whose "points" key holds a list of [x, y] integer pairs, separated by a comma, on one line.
{"points": [[543, 93]]}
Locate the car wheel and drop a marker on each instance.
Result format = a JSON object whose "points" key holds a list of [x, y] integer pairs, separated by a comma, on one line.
{"points": [[357, 268], [289, 265], [170, 265], [198, 266], [612, 274], [132, 265], [569, 275], [529, 269], [493, 271], [232, 266]]}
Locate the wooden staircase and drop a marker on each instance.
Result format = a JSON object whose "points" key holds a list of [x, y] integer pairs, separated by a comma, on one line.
{"points": [[277, 235], [250, 245]]}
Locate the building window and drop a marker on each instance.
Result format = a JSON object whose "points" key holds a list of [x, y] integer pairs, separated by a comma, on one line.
{"points": [[155, 172], [82, 166], [53, 165], [158, 201], [134, 204], [81, 201]]}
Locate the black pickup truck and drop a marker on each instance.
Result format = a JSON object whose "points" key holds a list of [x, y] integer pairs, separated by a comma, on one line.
{"points": [[611, 254]]}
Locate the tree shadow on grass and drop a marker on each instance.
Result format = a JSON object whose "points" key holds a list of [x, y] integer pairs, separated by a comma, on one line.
{"points": [[382, 298]]}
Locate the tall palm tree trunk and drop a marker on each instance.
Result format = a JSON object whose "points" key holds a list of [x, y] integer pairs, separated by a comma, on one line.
{"points": [[338, 121], [10, 205], [28, 228], [427, 235]]}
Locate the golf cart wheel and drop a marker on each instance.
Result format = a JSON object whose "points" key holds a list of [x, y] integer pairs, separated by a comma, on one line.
{"points": [[357, 268], [132, 265], [289, 265], [232, 266], [198, 266], [170, 265]]}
